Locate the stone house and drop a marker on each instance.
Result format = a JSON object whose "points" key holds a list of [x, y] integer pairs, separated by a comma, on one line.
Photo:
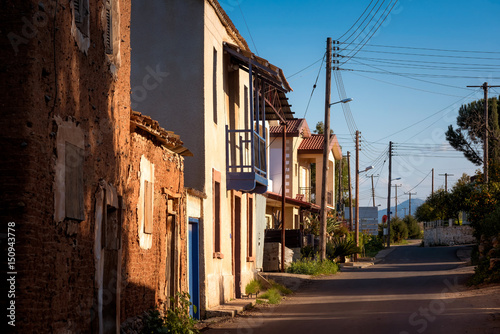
{"points": [[217, 95], [93, 192]]}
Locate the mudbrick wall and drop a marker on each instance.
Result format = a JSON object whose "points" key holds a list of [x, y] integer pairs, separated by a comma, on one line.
{"points": [[451, 235], [147, 273], [59, 88]]}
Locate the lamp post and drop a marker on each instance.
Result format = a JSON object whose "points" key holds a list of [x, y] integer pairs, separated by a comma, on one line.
{"points": [[326, 145], [357, 204]]}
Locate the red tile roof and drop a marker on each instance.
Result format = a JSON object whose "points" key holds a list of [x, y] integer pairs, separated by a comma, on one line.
{"points": [[293, 128], [314, 144]]}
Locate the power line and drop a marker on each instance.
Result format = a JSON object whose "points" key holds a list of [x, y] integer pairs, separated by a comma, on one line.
{"points": [[431, 49]]}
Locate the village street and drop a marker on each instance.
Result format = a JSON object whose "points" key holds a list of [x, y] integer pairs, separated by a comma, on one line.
{"points": [[413, 290]]}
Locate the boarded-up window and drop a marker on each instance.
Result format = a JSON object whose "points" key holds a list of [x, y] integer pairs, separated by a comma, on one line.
{"points": [[148, 207], [73, 182], [81, 14]]}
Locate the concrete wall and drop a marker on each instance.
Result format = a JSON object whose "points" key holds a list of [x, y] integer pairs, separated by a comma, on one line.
{"points": [[451, 235], [168, 69]]}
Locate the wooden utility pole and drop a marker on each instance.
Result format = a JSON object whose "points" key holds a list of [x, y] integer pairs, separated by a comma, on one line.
{"points": [[350, 193], [373, 189], [389, 197], [409, 194], [432, 193], [446, 180], [396, 186], [339, 198], [326, 141], [283, 194], [485, 87], [357, 194]]}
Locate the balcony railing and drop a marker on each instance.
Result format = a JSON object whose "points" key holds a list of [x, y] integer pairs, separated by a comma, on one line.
{"points": [[329, 198], [306, 191]]}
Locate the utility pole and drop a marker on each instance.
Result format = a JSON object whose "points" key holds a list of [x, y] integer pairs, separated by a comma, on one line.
{"points": [[432, 182], [389, 197], [357, 194], [485, 87], [326, 145], [446, 180], [409, 194], [283, 194], [350, 194], [373, 189], [396, 186], [339, 198]]}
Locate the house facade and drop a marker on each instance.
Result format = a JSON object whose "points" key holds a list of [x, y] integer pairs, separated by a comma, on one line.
{"points": [[217, 95], [93, 192], [303, 173]]}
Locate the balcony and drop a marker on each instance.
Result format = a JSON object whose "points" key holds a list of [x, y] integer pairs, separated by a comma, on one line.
{"points": [[246, 161]]}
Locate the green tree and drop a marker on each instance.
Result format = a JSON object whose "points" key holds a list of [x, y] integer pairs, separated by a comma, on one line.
{"points": [[468, 137], [414, 231], [399, 230], [320, 128]]}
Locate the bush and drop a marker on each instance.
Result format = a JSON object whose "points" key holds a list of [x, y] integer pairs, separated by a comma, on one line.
{"points": [[399, 230], [414, 231], [177, 320], [253, 287], [374, 245], [313, 267]]}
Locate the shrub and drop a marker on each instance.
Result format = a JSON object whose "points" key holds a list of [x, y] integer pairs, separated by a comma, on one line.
{"points": [[414, 231], [253, 287], [374, 245], [399, 230], [313, 267], [176, 321]]}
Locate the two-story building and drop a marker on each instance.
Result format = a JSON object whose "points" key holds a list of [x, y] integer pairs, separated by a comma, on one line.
{"points": [[192, 70], [303, 173]]}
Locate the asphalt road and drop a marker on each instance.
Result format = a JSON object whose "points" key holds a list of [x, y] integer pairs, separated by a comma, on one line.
{"points": [[413, 290]]}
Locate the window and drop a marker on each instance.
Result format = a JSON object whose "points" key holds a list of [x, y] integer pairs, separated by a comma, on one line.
{"points": [[73, 182], [214, 84], [216, 180], [250, 230], [145, 203]]}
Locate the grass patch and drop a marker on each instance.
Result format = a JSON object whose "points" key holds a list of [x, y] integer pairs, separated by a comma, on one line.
{"points": [[313, 267], [281, 288], [272, 295]]}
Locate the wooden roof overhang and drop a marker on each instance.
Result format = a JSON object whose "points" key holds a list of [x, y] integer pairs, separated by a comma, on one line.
{"points": [[277, 106]]}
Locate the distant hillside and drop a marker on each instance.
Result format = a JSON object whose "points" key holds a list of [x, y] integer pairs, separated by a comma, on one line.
{"points": [[402, 207]]}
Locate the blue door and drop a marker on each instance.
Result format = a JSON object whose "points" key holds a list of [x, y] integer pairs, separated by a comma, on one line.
{"points": [[194, 269]]}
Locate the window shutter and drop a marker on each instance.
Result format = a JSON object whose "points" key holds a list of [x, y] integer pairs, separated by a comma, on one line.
{"points": [[77, 8], [73, 182], [109, 27], [148, 207]]}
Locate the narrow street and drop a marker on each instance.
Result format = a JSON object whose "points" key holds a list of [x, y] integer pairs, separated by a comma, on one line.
{"points": [[414, 290]]}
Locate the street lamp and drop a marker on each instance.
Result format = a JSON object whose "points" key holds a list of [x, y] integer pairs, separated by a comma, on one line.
{"points": [[357, 206], [341, 101], [326, 146]]}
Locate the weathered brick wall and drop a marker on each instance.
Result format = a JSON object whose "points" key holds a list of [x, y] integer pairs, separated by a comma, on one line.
{"points": [[450, 235], [144, 270], [43, 77]]}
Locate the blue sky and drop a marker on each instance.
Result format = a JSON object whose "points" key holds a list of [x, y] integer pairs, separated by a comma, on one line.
{"points": [[412, 111]]}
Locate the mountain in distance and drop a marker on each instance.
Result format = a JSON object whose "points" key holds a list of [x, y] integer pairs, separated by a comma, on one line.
{"points": [[402, 208]]}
